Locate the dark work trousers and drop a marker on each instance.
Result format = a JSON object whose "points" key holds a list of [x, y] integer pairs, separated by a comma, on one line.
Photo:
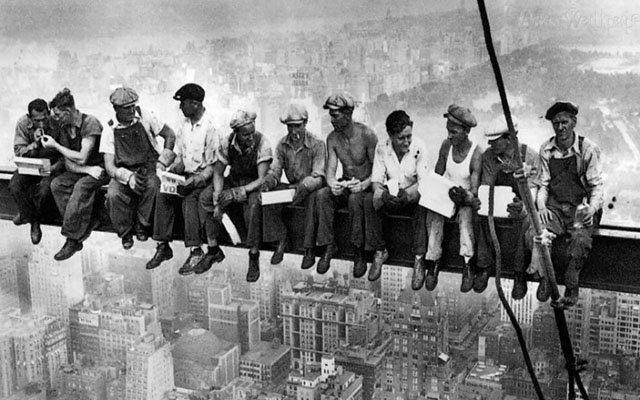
{"points": [[485, 251], [194, 217], [30, 194], [362, 218], [74, 195], [413, 210], [246, 216], [273, 227], [126, 207]]}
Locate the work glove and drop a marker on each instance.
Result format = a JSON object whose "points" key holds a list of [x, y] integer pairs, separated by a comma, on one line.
{"points": [[403, 197], [269, 183], [516, 209], [458, 194]]}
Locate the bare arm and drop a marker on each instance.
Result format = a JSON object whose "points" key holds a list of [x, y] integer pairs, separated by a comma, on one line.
{"points": [[476, 168], [218, 179], [332, 161], [78, 157], [252, 186], [441, 164], [110, 164], [169, 137]]}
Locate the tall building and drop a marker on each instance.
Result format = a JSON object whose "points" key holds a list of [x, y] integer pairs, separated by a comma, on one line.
{"points": [[420, 362], [268, 362], [394, 279], [104, 329], [32, 347], [524, 308], [234, 320], [198, 301], [202, 360], [318, 319], [9, 295], [82, 383], [149, 369], [324, 380], [55, 286], [264, 291]]}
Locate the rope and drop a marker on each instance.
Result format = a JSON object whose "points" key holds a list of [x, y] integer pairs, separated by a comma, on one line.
{"points": [[525, 194]]}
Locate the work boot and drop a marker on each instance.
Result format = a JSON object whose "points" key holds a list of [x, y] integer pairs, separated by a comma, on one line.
{"points": [[127, 241], [194, 258], [213, 255], [544, 291], [278, 255], [481, 281], [376, 267], [519, 286], [18, 220], [431, 280], [570, 298], [163, 253], [70, 248], [467, 278], [325, 261], [359, 264], [253, 273], [417, 279], [308, 259], [142, 235], [36, 233]]}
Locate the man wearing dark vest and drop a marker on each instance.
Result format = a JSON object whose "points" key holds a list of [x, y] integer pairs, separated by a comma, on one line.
{"points": [[74, 190], [131, 157], [571, 195], [498, 166], [31, 192], [248, 154], [301, 155], [196, 145]]}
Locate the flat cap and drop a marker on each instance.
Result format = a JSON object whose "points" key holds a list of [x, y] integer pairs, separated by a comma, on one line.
{"points": [[498, 127], [294, 114], [339, 101], [190, 91], [461, 116], [123, 97], [560, 106], [242, 118]]}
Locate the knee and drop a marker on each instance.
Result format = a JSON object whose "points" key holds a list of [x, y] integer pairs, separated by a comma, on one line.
{"points": [[355, 200], [580, 244], [323, 195], [206, 198], [56, 186]]}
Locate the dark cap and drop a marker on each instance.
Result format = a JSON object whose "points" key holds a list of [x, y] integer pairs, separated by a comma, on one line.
{"points": [[338, 102], [190, 91], [561, 106], [460, 116]]}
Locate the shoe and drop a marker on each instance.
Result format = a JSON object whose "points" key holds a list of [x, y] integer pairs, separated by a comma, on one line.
{"points": [[432, 268], [376, 267], [544, 291], [481, 281], [18, 220], [127, 241], [278, 255], [467, 278], [359, 264], [163, 253], [309, 259], [36, 233], [325, 261], [194, 257], [253, 273], [70, 248], [141, 235], [206, 262], [519, 286], [570, 298], [417, 280]]}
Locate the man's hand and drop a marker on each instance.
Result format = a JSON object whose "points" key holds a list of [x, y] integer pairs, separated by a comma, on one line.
{"points": [[475, 203], [516, 209], [523, 173], [225, 198], [357, 186], [545, 216], [301, 194], [458, 194], [96, 172], [403, 197], [187, 188], [37, 135], [48, 142], [160, 166], [336, 188], [585, 215], [217, 212]]}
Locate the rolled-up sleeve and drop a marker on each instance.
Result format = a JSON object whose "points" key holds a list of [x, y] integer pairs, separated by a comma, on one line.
{"points": [[265, 153], [22, 145], [378, 171], [211, 146], [106, 142], [593, 175], [223, 150]]}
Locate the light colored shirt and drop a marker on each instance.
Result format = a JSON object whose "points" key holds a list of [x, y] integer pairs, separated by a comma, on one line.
{"points": [[196, 144], [308, 160], [25, 144], [589, 165], [460, 173], [265, 153], [413, 166], [152, 126]]}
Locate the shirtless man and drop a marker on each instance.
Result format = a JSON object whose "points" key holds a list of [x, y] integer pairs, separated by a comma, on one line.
{"points": [[460, 161], [354, 145]]}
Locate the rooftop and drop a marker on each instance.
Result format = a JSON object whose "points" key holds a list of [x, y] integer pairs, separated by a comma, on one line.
{"points": [[265, 353]]}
